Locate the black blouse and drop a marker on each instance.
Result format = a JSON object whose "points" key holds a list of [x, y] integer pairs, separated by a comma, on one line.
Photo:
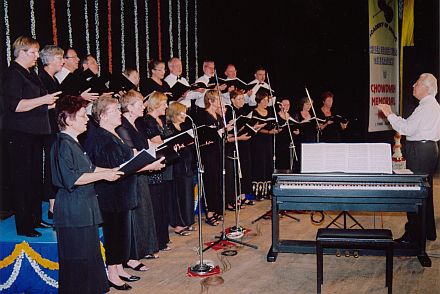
{"points": [[107, 150], [151, 86], [132, 137], [76, 206], [18, 83], [51, 85]]}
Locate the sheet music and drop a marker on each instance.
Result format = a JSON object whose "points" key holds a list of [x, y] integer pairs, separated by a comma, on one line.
{"points": [[346, 157]]}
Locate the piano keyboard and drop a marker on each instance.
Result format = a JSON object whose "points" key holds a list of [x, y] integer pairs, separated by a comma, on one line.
{"points": [[348, 186]]}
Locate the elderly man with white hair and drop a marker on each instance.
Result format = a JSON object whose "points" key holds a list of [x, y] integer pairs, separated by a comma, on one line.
{"points": [[422, 131]]}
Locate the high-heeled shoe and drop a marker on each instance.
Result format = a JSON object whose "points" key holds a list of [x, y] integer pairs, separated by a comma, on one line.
{"points": [[49, 214], [130, 278], [123, 287]]}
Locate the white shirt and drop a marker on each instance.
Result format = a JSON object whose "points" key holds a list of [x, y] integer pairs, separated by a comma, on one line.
{"points": [[171, 80], [422, 124], [200, 102], [251, 99], [62, 74]]}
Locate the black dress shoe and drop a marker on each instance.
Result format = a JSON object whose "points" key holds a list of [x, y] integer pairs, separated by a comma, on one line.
{"points": [[44, 225], [431, 238], [49, 214], [123, 287], [31, 233], [130, 278]]}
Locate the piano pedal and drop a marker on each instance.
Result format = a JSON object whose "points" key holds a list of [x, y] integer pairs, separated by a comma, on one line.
{"points": [[338, 253], [347, 253], [355, 254]]}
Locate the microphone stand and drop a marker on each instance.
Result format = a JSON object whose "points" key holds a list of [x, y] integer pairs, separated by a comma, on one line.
{"points": [[292, 150], [237, 171], [268, 213], [200, 268], [314, 114], [223, 236]]}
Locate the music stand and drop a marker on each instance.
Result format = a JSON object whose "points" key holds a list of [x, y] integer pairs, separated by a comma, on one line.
{"points": [[344, 214]]}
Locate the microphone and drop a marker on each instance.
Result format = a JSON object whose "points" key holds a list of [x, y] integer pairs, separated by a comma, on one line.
{"points": [[187, 116]]}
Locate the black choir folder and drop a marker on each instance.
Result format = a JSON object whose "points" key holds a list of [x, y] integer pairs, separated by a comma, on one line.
{"points": [[248, 130], [184, 138], [179, 89], [237, 83], [208, 134], [137, 162]]}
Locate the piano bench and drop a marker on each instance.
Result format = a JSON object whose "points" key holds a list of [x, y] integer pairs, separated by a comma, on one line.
{"points": [[376, 239]]}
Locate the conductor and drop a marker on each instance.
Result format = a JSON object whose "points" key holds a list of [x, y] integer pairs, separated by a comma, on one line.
{"points": [[422, 130]]}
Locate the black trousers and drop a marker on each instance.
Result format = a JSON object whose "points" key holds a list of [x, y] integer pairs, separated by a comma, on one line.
{"points": [[421, 158], [25, 155]]}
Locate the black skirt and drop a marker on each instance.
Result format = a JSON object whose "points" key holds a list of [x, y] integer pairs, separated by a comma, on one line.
{"points": [[144, 237], [82, 268]]}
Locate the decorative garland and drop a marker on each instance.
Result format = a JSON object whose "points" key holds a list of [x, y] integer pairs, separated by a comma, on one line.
{"points": [[147, 35], [8, 36], [170, 20], [186, 38], [48, 280], [15, 271], [136, 33], [69, 24], [86, 20], [179, 25], [98, 53], [36, 260], [31, 4], [159, 33], [24, 246], [122, 36], [54, 22], [109, 34], [195, 39]]}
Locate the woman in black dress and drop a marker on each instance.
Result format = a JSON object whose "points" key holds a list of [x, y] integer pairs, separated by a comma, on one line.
{"points": [[52, 59], [262, 149], [156, 81], [240, 109], [77, 213], [153, 126], [333, 125], [182, 203], [285, 153], [307, 127], [25, 122], [211, 156], [144, 238], [107, 149]]}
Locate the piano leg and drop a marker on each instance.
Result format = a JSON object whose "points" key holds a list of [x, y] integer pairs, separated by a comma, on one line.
{"points": [[424, 260], [272, 255]]}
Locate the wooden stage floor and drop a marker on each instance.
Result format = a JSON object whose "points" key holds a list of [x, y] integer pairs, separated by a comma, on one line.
{"points": [[249, 273]]}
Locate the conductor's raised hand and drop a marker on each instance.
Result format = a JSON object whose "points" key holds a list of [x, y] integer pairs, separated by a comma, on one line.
{"points": [[385, 108]]}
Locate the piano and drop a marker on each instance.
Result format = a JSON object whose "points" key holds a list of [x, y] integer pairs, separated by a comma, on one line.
{"points": [[348, 192]]}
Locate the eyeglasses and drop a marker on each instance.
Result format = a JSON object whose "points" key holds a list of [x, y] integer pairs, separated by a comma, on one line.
{"points": [[158, 69], [67, 57]]}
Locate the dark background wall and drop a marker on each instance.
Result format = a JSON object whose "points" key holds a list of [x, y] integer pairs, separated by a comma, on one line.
{"points": [[321, 44]]}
